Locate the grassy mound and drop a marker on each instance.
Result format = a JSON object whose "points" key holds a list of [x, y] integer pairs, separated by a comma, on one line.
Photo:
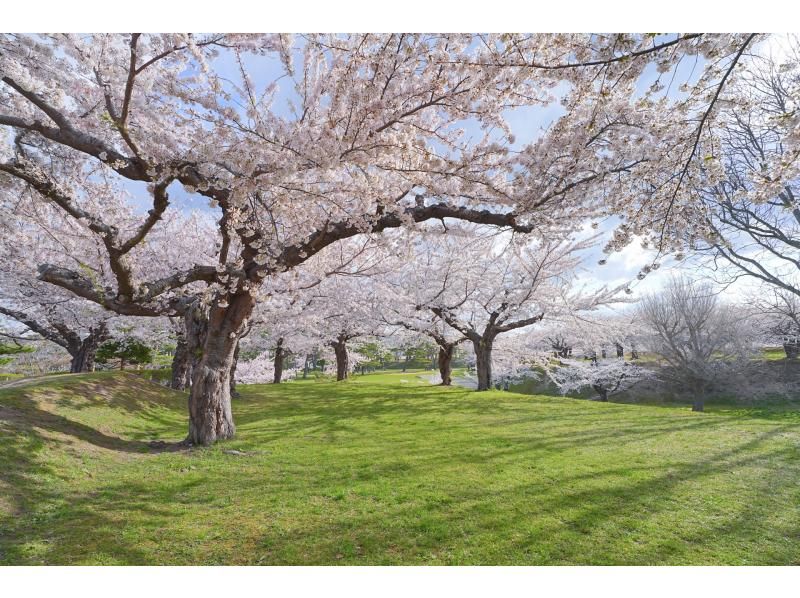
{"points": [[386, 469]]}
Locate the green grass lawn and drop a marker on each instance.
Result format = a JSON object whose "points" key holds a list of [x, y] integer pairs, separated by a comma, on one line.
{"points": [[386, 469]]}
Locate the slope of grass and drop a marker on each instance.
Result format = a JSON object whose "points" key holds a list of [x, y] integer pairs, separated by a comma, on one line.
{"points": [[386, 469]]}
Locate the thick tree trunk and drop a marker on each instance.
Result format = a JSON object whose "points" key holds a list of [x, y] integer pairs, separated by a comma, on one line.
{"points": [[340, 350], [181, 366], [444, 362], [279, 355], [214, 336], [305, 368], [78, 363], [483, 362], [83, 357]]}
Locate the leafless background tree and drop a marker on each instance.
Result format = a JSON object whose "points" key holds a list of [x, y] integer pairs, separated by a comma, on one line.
{"points": [[777, 312], [702, 340]]}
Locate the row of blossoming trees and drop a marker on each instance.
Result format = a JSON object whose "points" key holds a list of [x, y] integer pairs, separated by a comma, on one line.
{"points": [[300, 155]]}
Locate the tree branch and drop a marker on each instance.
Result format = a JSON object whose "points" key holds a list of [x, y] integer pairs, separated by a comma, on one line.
{"points": [[519, 323], [296, 254], [56, 337], [699, 133]]}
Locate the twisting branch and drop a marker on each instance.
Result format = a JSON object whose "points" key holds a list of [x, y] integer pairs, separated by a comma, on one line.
{"points": [[468, 332], [589, 63], [35, 99], [296, 254], [160, 204], [699, 134], [62, 340], [49, 190], [519, 323], [116, 249], [126, 100]]}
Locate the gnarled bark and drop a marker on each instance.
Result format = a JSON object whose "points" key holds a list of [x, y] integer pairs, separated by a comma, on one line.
{"points": [[248, 326], [181, 365], [213, 336], [482, 341], [83, 354]]}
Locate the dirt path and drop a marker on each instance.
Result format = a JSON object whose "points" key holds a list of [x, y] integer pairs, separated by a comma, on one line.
{"points": [[464, 380], [31, 380]]}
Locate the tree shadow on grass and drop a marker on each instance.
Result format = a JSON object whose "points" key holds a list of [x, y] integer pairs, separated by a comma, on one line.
{"points": [[42, 462], [30, 434], [266, 414], [112, 524], [28, 418], [139, 409], [448, 501], [574, 522], [633, 494], [123, 391]]}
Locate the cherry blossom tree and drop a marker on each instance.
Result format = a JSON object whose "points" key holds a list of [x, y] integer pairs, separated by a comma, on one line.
{"points": [[280, 328], [64, 327], [519, 356], [446, 338], [343, 310], [483, 285], [606, 376], [561, 345], [600, 340], [73, 324], [261, 370], [400, 306], [373, 139], [309, 307]]}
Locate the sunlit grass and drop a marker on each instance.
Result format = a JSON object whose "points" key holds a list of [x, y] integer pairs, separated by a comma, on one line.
{"points": [[386, 469]]}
